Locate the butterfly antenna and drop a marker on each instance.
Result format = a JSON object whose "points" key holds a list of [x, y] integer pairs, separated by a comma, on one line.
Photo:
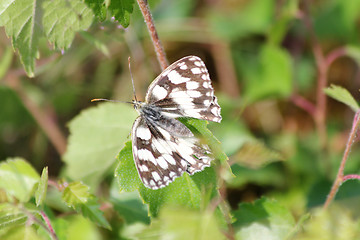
{"points": [[107, 100], [132, 80]]}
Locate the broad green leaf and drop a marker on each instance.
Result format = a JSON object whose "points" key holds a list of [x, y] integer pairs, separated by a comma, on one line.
{"points": [[263, 219], [270, 76], [189, 191], [342, 95], [18, 178], [91, 210], [182, 223], [76, 193], [255, 154], [22, 21], [96, 42], [121, 10], [40, 193], [62, 19], [336, 222], [11, 216], [125, 173], [96, 136]]}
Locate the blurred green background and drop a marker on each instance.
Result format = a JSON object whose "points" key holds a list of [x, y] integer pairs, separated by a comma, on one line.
{"points": [[261, 56]]}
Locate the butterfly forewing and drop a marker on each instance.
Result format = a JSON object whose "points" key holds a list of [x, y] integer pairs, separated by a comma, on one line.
{"points": [[163, 147], [184, 90]]}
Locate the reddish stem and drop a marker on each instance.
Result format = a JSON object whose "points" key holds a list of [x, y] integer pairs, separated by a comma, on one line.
{"points": [[350, 177], [340, 175], [48, 223], [303, 103], [160, 53]]}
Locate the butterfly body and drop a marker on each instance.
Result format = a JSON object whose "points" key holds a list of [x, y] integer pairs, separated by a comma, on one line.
{"points": [[163, 147]]}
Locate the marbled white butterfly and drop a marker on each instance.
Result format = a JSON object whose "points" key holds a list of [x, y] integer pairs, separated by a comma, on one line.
{"points": [[163, 147]]}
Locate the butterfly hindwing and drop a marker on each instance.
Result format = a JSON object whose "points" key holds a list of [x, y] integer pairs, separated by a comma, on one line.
{"points": [[160, 157]]}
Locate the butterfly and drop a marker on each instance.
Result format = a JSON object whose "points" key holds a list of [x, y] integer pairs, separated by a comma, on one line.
{"points": [[163, 147]]}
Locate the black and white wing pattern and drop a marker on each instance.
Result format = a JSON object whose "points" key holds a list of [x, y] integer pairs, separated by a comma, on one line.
{"points": [[163, 147]]}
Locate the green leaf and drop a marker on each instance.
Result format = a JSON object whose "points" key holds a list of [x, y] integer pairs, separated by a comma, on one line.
{"points": [[96, 42], [26, 21], [76, 193], [126, 173], [77, 196], [255, 154], [342, 95], [63, 18], [5, 61], [182, 223], [121, 10], [26, 232], [91, 210], [11, 216], [96, 136], [186, 191], [21, 19], [263, 219], [40, 193], [129, 206], [270, 77], [98, 7], [18, 178]]}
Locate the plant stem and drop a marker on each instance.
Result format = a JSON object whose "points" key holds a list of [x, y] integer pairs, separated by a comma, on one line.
{"points": [[43, 119], [340, 175], [160, 53], [350, 177], [48, 223]]}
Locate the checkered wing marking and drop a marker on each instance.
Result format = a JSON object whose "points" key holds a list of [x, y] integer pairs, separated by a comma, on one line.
{"points": [[160, 157], [184, 89]]}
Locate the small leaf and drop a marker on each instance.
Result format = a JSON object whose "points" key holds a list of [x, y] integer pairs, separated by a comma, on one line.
{"points": [[264, 219], [96, 137], [342, 95], [91, 210], [5, 61], [121, 10], [11, 216], [96, 42], [18, 178], [21, 21], [40, 193], [62, 19], [76, 193], [182, 223], [255, 154], [98, 7]]}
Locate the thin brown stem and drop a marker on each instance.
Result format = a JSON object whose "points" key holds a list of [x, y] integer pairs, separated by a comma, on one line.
{"points": [[303, 103], [340, 175], [32, 218], [320, 115], [160, 53], [44, 120]]}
